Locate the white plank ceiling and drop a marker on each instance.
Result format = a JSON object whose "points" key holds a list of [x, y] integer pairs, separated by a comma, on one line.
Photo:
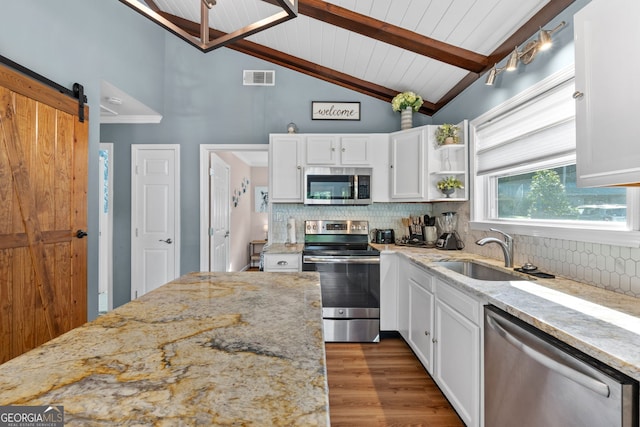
{"points": [[479, 26]]}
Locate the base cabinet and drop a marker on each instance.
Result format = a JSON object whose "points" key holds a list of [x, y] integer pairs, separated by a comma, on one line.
{"points": [[457, 353], [421, 305], [442, 327], [282, 263]]}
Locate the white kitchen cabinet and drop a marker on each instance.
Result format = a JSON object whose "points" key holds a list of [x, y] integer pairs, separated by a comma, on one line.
{"points": [[408, 164], [274, 262], [321, 150], [388, 291], [421, 305], [355, 150], [403, 298], [607, 88], [285, 168], [457, 351], [448, 160], [443, 328], [338, 150], [417, 163]]}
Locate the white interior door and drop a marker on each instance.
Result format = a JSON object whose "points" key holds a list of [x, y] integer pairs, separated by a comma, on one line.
{"points": [[219, 208], [155, 210], [105, 235]]}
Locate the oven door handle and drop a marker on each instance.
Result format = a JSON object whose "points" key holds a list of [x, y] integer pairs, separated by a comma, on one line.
{"points": [[341, 259]]}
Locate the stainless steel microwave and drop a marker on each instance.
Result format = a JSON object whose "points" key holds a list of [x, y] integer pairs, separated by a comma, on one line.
{"points": [[337, 186]]}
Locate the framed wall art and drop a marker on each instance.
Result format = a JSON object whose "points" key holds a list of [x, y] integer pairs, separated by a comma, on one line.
{"points": [[328, 110]]}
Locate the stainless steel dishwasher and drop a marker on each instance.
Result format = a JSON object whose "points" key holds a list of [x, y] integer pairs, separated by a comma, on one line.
{"points": [[534, 380]]}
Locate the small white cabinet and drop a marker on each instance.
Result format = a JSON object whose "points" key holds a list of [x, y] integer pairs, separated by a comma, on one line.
{"points": [[338, 150], [407, 164], [421, 305], [274, 262], [607, 88], [285, 168]]}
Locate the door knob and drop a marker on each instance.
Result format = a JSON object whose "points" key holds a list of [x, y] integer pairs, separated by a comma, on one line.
{"points": [[168, 241], [81, 233]]}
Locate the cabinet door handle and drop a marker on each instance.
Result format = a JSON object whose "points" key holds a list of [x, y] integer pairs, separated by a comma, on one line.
{"points": [[344, 149], [433, 340], [299, 167], [426, 333], [577, 94], [282, 263]]}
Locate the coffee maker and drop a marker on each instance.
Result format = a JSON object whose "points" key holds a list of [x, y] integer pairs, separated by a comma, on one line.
{"points": [[449, 238]]}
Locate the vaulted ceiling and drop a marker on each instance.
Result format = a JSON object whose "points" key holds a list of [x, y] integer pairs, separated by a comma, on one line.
{"points": [[435, 48]]}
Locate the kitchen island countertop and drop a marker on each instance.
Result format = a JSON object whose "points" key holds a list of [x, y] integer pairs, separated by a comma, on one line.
{"points": [[205, 349]]}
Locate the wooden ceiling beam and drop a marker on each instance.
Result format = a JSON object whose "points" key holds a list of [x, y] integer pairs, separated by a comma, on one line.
{"points": [[391, 34], [298, 64]]}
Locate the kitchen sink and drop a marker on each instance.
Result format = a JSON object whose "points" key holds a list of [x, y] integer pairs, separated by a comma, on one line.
{"points": [[480, 272]]}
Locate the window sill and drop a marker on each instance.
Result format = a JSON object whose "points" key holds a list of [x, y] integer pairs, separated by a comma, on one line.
{"points": [[612, 236]]}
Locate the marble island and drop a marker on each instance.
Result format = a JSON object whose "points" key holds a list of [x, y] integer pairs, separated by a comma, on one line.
{"points": [[207, 349]]}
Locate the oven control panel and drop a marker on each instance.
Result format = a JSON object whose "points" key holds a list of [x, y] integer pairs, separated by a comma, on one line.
{"points": [[336, 227]]}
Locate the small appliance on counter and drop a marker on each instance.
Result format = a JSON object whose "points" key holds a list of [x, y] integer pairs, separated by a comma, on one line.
{"points": [[383, 236], [449, 238]]}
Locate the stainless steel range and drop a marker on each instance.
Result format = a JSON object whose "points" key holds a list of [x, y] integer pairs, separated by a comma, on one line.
{"points": [[349, 278]]}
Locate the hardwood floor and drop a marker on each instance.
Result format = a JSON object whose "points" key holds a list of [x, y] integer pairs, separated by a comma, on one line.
{"points": [[383, 384]]}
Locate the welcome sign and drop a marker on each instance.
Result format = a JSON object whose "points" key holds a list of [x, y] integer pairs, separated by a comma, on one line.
{"points": [[325, 110]]}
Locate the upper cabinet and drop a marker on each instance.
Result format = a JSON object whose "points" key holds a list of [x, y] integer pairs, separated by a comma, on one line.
{"points": [[338, 150], [418, 163], [285, 168], [406, 165], [607, 88]]}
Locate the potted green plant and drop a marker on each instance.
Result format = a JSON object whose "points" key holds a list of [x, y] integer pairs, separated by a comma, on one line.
{"points": [[448, 185], [447, 134]]}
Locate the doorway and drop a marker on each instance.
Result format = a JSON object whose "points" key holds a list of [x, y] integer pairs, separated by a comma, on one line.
{"points": [[105, 227], [258, 153]]}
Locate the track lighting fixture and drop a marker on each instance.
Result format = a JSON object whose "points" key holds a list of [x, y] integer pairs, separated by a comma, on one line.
{"points": [[526, 55]]}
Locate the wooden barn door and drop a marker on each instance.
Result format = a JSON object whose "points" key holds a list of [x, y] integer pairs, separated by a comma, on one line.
{"points": [[43, 191]]}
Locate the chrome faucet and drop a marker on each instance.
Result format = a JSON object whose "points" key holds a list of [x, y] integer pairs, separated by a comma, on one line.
{"points": [[507, 245]]}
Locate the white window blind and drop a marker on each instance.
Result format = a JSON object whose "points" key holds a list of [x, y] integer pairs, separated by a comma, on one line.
{"points": [[539, 129]]}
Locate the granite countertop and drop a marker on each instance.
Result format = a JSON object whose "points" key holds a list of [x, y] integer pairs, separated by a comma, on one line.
{"points": [[284, 248], [601, 323], [205, 349]]}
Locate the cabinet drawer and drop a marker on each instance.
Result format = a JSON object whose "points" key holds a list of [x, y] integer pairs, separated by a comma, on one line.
{"points": [[463, 304], [282, 262], [419, 276]]}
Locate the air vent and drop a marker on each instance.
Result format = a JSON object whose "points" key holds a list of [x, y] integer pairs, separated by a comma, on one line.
{"points": [[259, 78]]}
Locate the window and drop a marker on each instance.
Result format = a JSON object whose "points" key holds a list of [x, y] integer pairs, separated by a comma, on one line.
{"points": [[524, 172], [552, 194]]}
